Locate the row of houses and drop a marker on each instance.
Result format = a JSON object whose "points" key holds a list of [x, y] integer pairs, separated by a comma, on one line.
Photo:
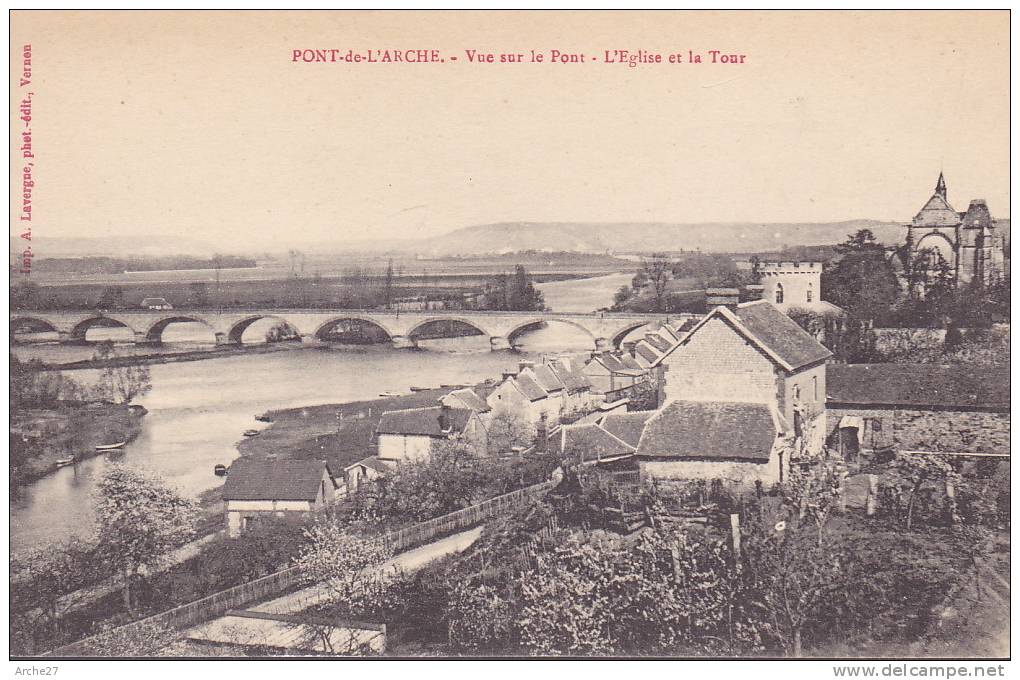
{"points": [[742, 393], [746, 391]]}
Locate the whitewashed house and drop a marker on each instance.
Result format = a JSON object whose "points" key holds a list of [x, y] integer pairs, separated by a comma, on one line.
{"points": [[409, 434], [257, 488]]}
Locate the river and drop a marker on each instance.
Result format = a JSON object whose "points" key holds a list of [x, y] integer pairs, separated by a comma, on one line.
{"points": [[198, 409]]}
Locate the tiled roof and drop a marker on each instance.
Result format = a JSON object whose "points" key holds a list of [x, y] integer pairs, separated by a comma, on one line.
{"points": [[375, 463], [471, 400], [530, 388], [614, 365], [573, 379], [646, 351], [688, 325], [250, 479], [626, 426], [781, 334], [423, 421], [630, 362], [919, 385], [710, 430], [547, 379], [590, 442], [658, 342]]}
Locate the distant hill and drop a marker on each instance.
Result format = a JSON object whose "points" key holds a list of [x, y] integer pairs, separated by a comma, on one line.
{"points": [[631, 237], [512, 237]]}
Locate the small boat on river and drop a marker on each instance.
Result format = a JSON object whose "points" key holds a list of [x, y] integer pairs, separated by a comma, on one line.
{"points": [[416, 388], [220, 470], [390, 394], [110, 447], [263, 418], [252, 433]]}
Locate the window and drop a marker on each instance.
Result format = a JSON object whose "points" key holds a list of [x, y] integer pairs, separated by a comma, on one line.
{"points": [[810, 293], [779, 293], [796, 392], [814, 387]]}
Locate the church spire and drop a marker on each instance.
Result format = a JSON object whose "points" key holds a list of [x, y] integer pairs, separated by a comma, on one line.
{"points": [[940, 187]]}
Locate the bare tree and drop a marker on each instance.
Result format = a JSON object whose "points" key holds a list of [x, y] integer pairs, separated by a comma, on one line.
{"points": [[658, 270]]}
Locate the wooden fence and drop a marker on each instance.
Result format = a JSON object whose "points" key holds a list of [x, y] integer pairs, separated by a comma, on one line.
{"points": [[218, 604]]}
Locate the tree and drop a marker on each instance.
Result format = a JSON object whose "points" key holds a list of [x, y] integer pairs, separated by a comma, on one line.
{"points": [[344, 562], [799, 583], [112, 297], [509, 430], [142, 638], [658, 270], [921, 469], [42, 578], [121, 384], [139, 519], [451, 478], [862, 281], [388, 285]]}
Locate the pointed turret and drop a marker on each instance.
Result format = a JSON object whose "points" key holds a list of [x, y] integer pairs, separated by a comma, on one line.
{"points": [[940, 187]]}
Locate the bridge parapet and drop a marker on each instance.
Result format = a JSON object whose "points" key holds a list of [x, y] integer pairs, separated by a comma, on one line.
{"points": [[606, 329]]}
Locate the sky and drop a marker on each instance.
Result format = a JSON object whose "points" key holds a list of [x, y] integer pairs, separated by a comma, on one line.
{"points": [[198, 125]]}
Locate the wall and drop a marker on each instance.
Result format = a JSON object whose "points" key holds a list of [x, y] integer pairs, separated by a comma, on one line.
{"points": [[928, 430], [735, 473], [404, 447], [812, 402], [718, 364], [507, 397], [796, 281], [238, 510]]}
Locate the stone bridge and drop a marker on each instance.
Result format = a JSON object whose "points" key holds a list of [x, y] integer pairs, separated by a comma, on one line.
{"points": [[607, 330]]}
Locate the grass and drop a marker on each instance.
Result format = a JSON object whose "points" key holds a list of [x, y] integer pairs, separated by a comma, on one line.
{"points": [[311, 433], [66, 430]]}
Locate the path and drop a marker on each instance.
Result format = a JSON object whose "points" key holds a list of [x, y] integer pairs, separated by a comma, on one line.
{"points": [[300, 600]]}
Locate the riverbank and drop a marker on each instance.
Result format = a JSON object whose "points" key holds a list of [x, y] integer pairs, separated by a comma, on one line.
{"points": [[175, 357], [41, 437], [319, 433]]}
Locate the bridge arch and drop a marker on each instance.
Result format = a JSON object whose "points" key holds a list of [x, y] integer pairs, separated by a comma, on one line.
{"points": [[236, 333], [466, 322], [80, 329], [619, 336], [521, 327], [323, 327], [33, 321], [154, 334]]}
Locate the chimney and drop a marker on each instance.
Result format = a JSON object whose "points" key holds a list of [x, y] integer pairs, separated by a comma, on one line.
{"points": [[507, 375], [754, 291], [725, 297], [525, 364]]}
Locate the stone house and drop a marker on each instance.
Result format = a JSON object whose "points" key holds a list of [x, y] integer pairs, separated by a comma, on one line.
{"points": [[554, 389], [608, 375], [409, 434], [522, 396], [917, 407], [739, 443], [466, 398], [363, 471], [261, 488], [752, 353], [577, 393]]}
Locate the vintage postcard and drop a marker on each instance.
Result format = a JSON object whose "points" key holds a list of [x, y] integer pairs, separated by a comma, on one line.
{"points": [[511, 334]]}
